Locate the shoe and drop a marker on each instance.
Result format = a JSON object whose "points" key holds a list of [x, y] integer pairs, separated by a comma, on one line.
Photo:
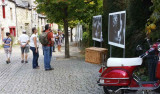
{"points": [[7, 62], [49, 69], [37, 67], [26, 61], [22, 61]]}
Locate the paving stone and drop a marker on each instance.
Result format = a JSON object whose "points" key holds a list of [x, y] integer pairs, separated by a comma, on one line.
{"points": [[70, 76]]}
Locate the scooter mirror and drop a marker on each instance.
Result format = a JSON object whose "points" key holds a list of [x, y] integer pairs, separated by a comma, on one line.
{"points": [[158, 40], [139, 48]]}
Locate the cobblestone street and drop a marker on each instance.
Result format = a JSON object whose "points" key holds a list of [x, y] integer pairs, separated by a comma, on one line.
{"points": [[70, 76]]}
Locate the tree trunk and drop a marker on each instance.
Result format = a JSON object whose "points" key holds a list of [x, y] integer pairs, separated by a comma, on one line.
{"points": [[66, 34], [71, 35]]}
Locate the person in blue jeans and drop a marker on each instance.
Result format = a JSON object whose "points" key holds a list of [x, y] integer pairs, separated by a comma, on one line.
{"points": [[47, 50], [34, 44]]}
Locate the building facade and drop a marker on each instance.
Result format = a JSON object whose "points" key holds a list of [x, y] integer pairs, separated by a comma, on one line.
{"points": [[7, 18], [23, 14], [19, 15]]}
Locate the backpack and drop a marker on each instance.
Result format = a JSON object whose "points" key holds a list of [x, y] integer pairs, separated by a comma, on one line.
{"points": [[43, 38]]}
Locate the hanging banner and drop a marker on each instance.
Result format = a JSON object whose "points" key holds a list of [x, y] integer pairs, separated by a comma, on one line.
{"points": [[117, 28], [97, 28]]}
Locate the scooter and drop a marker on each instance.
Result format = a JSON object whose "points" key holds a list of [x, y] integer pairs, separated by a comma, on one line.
{"points": [[118, 74]]}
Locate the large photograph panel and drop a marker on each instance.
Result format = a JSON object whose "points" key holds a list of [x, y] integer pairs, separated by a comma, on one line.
{"points": [[116, 29], [97, 28]]}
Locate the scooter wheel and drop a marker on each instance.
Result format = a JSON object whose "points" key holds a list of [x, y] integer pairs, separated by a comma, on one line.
{"points": [[112, 89]]}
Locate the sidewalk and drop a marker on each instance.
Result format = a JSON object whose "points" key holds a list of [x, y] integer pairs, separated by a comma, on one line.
{"points": [[70, 76]]}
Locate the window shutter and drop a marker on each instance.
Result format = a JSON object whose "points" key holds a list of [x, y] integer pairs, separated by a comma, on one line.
{"points": [[3, 9]]}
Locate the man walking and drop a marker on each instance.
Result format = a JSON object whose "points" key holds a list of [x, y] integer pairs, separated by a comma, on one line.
{"points": [[47, 49], [23, 41]]}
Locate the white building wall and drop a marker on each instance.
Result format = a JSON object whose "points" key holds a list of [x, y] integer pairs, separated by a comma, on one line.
{"points": [[7, 22], [54, 27]]}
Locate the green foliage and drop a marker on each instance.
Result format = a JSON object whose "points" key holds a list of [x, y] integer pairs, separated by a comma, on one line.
{"points": [[138, 13], [85, 36], [54, 9], [85, 39], [155, 18], [73, 23], [90, 11]]}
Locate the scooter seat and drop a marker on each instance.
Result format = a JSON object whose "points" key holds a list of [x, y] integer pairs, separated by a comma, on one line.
{"points": [[116, 62]]}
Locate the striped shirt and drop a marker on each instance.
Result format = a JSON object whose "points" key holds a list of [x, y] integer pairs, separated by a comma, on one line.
{"points": [[7, 41]]}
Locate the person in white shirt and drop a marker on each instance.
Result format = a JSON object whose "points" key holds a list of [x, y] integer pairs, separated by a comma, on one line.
{"points": [[34, 44], [23, 41]]}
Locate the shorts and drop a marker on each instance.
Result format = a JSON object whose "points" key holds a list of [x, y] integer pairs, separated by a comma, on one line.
{"points": [[8, 52], [25, 50]]}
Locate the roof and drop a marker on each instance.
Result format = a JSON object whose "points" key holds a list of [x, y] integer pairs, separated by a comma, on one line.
{"points": [[41, 16], [21, 3]]}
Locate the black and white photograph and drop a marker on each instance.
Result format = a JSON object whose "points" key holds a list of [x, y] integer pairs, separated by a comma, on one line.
{"points": [[116, 29], [97, 28], [80, 32]]}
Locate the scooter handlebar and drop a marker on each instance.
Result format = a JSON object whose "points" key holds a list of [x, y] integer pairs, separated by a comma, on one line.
{"points": [[143, 55], [147, 53]]}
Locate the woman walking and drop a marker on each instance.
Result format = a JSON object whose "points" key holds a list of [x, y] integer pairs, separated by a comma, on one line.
{"points": [[59, 41], [7, 46], [34, 47]]}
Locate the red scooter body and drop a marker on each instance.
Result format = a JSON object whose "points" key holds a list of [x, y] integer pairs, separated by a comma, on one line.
{"points": [[122, 77], [117, 76], [120, 74]]}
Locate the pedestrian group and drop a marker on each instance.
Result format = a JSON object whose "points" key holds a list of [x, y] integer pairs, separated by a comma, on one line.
{"points": [[48, 39]]}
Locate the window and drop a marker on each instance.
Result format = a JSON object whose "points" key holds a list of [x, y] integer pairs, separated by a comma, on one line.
{"points": [[11, 14], [12, 31], [3, 10]]}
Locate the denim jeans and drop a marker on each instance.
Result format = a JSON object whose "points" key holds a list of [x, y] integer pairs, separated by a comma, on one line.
{"points": [[54, 47], [47, 51], [35, 57]]}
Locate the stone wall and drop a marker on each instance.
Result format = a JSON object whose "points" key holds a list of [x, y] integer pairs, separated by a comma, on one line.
{"points": [[23, 20]]}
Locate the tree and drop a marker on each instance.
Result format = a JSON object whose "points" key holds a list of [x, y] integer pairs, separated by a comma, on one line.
{"points": [[61, 11], [138, 13]]}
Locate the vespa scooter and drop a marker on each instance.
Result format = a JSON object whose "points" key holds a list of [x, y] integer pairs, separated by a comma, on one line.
{"points": [[118, 77]]}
